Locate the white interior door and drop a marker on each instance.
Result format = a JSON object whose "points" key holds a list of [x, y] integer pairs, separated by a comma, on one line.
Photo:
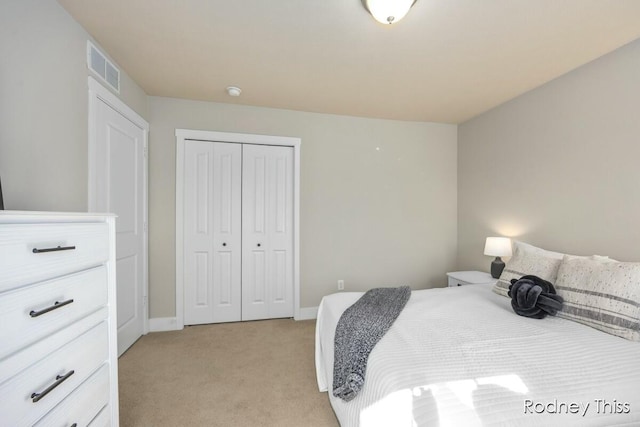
{"points": [[120, 188], [267, 232], [212, 232]]}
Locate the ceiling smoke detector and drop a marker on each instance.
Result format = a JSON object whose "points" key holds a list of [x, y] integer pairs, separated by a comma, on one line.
{"points": [[234, 91]]}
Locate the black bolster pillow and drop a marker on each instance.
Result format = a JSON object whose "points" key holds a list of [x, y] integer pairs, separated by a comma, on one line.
{"points": [[534, 297]]}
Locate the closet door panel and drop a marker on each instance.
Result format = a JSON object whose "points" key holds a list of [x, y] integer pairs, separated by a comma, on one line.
{"points": [[267, 289], [280, 230], [254, 237], [227, 235], [212, 230], [198, 232]]}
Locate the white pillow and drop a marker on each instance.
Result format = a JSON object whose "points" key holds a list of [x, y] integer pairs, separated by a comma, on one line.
{"points": [[527, 248], [524, 261], [532, 260], [601, 293]]}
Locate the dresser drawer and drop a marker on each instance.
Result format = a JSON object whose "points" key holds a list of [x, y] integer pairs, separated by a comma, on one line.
{"points": [[103, 419], [463, 278], [75, 361], [31, 253], [457, 282], [83, 404], [24, 318]]}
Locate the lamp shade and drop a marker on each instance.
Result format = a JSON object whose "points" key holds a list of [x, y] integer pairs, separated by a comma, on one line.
{"points": [[388, 11], [497, 246]]}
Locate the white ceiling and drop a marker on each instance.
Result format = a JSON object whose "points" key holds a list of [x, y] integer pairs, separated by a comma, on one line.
{"points": [[447, 61]]}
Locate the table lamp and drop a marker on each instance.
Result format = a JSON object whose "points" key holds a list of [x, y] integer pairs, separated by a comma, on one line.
{"points": [[497, 247]]}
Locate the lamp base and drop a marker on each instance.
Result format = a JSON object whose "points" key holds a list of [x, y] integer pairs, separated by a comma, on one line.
{"points": [[496, 267]]}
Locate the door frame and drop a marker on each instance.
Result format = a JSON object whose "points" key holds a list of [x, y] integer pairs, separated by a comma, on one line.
{"points": [[183, 135], [99, 93]]}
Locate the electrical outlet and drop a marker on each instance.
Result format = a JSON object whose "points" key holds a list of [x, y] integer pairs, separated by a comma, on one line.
{"points": [[341, 285]]}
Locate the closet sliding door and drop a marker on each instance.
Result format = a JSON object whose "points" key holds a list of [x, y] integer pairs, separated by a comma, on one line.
{"points": [[212, 232], [267, 232]]}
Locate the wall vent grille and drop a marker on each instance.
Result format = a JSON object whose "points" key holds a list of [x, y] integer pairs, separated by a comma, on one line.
{"points": [[99, 64]]}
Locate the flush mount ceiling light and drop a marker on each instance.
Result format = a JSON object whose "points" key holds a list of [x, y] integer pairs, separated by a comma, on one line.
{"points": [[388, 11]]}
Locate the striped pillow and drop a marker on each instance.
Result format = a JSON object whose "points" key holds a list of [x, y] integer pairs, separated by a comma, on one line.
{"points": [[525, 262], [601, 293]]}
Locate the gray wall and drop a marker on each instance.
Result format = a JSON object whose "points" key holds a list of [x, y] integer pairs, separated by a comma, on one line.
{"points": [[44, 107], [371, 217], [557, 166]]}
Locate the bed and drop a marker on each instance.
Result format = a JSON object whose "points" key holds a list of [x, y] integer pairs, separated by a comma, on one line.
{"points": [[461, 357]]}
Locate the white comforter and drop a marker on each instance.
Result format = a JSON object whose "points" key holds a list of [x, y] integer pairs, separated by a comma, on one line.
{"points": [[461, 357]]}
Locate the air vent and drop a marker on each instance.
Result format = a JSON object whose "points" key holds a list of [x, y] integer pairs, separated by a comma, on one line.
{"points": [[98, 62]]}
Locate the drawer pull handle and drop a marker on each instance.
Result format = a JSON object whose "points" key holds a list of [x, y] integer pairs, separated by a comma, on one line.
{"points": [[56, 249], [74, 425], [55, 306], [35, 397]]}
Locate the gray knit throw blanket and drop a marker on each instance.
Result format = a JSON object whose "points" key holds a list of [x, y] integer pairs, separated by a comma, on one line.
{"points": [[359, 329]]}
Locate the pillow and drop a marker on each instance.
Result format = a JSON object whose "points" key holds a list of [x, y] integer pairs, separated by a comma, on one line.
{"points": [[527, 262], [601, 293], [525, 247], [551, 254]]}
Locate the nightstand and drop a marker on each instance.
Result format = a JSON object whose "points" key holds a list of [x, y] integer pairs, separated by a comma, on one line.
{"points": [[461, 278]]}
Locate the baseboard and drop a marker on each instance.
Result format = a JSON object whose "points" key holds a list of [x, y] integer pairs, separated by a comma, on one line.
{"points": [[161, 324], [307, 313]]}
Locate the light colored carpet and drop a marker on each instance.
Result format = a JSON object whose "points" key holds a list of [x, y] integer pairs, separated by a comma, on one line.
{"points": [[233, 374]]}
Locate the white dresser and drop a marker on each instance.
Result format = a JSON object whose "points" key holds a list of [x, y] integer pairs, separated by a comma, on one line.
{"points": [[58, 349]]}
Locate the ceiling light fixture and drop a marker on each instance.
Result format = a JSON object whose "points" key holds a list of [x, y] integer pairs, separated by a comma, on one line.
{"points": [[388, 11], [234, 91]]}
